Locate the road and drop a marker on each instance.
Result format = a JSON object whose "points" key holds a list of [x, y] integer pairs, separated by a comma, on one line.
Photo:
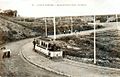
{"points": [[16, 66], [84, 32], [68, 67]]}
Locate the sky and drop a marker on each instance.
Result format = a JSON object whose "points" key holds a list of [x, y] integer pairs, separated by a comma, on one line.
{"points": [[48, 8]]}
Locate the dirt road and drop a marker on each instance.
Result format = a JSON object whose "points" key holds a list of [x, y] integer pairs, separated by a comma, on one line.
{"points": [[83, 32], [16, 66], [68, 67]]}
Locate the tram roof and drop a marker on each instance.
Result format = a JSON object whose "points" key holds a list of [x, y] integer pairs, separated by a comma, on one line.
{"points": [[49, 40], [45, 39]]}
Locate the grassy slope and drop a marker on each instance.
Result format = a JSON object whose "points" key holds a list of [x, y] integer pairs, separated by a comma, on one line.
{"points": [[13, 31], [107, 43]]}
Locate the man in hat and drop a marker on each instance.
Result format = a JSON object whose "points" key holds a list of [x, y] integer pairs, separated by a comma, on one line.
{"points": [[34, 43]]}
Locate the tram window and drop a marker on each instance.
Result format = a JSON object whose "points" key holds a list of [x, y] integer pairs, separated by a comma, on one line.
{"points": [[48, 45], [45, 45], [41, 43]]}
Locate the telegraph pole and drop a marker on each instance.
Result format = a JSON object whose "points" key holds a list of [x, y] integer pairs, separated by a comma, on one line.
{"points": [[71, 24], [117, 22], [60, 18], [54, 28], [94, 41], [45, 27]]}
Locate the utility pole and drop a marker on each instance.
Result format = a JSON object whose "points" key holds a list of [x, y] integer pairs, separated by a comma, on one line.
{"points": [[117, 22], [45, 27], [71, 24], [107, 19], [54, 28], [60, 18], [94, 40]]}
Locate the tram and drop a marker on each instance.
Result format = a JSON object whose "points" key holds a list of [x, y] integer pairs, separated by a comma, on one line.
{"points": [[48, 47]]}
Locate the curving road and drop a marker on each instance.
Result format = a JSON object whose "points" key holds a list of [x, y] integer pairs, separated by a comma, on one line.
{"points": [[16, 66], [68, 67]]}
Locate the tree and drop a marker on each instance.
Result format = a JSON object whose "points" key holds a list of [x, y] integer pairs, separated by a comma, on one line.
{"points": [[10, 13]]}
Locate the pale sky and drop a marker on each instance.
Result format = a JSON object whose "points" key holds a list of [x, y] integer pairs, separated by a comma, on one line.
{"points": [[35, 8]]}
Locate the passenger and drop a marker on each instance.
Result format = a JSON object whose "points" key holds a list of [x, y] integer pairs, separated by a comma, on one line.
{"points": [[34, 43], [64, 32], [69, 31], [54, 47]]}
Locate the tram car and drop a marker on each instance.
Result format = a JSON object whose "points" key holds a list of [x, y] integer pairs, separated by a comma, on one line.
{"points": [[48, 47]]}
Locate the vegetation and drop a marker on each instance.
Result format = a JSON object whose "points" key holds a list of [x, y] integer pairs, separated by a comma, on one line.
{"points": [[107, 47], [9, 13], [101, 18], [2, 37], [85, 43]]}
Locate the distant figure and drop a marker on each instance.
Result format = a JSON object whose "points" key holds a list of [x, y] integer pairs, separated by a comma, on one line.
{"points": [[75, 31], [69, 31], [64, 32], [34, 43]]}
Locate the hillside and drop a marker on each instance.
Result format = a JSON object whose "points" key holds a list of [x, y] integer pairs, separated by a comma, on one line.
{"points": [[12, 31], [16, 28], [107, 48]]}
